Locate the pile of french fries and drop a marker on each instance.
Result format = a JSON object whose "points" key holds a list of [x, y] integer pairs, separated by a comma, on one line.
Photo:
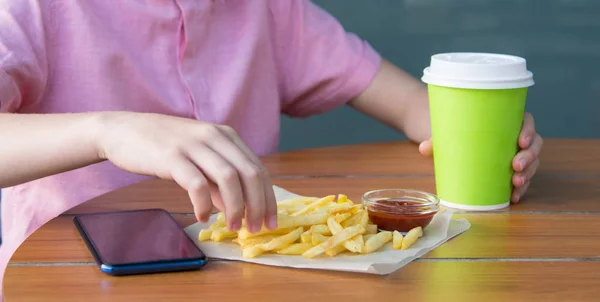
{"points": [[312, 227]]}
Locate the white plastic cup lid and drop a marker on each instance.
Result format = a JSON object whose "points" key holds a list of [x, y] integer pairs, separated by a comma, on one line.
{"points": [[478, 71]]}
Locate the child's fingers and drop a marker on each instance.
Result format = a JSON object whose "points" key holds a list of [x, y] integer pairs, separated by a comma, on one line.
{"points": [[518, 193], [270, 218], [527, 131], [251, 177], [227, 178], [522, 178], [426, 148], [526, 157], [270, 209], [189, 177]]}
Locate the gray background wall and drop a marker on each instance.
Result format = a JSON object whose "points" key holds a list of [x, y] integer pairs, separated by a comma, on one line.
{"points": [[559, 38]]}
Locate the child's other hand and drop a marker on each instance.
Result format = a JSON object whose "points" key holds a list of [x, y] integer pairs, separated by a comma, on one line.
{"points": [[209, 161], [525, 163]]}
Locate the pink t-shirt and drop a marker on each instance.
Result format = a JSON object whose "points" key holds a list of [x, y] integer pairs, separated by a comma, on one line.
{"points": [[240, 63]]}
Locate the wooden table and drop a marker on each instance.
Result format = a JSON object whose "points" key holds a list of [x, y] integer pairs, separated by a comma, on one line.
{"points": [[545, 249]]}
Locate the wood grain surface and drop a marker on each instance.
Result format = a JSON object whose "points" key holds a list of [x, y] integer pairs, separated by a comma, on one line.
{"points": [[546, 248], [559, 156], [228, 281]]}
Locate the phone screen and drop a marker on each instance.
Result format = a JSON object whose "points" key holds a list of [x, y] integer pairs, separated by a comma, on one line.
{"points": [[137, 237]]}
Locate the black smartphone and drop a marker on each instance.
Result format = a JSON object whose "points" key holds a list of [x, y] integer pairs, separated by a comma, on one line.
{"points": [[138, 242]]}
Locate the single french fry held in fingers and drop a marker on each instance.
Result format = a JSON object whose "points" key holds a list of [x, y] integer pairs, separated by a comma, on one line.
{"points": [[309, 227]]}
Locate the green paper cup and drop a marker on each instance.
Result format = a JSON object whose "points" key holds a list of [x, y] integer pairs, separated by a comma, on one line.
{"points": [[477, 101]]}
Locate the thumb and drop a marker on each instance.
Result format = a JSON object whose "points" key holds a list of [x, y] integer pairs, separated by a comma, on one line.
{"points": [[426, 148]]}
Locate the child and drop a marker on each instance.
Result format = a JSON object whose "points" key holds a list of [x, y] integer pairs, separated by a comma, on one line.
{"points": [[96, 95]]}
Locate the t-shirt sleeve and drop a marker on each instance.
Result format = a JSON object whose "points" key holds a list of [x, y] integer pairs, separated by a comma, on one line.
{"points": [[321, 66], [23, 64]]}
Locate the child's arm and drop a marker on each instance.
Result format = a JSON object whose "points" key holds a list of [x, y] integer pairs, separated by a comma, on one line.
{"points": [[400, 101], [196, 155], [35, 146]]}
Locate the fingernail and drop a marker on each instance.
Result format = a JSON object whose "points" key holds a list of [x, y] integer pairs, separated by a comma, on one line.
{"points": [[252, 228], [273, 222], [523, 180], [515, 198], [235, 226], [522, 163]]}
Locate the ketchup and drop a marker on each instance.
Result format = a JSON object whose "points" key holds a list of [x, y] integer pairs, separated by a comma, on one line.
{"points": [[399, 215]]}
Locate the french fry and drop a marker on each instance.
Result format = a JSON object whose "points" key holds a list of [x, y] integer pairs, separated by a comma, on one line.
{"points": [[336, 250], [397, 241], [221, 234], [320, 229], [334, 226], [334, 240], [353, 244], [411, 237], [371, 229], [364, 219], [367, 236], [257, 250], [296, 201], [285, 221], [245, 234], [255, 240], [306, 237], [342, 199], [353, 220], [341, 217], [318, 238], [219, 223], [204, 235], [339, 209], [377, 241], [356, 208], [313, 205], [295, 249]]}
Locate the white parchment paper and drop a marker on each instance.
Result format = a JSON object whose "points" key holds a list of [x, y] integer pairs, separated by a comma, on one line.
{"points": [[384, 261]]}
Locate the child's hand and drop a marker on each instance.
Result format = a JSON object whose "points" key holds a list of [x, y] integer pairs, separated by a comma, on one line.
{"points": [[525, 163], [201, 157]]}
